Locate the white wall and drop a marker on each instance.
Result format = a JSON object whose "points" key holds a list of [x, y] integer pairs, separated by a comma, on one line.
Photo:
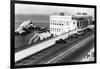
{"points": [[65, 20], [5, 34]]}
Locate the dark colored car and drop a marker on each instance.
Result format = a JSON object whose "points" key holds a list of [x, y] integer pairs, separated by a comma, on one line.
{"points": [[60, 41]]}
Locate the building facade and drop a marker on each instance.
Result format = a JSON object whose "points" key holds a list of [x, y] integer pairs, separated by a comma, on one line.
{"points": [[62, 22]]}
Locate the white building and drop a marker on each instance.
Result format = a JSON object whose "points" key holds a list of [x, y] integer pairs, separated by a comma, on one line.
{"points": [[61, 23]]}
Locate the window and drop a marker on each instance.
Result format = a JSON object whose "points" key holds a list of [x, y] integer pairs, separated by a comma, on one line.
{"points": [[50, 29], [60, 24], [55, 29], [67, 23], [73, 22], [51, 23], [77, 24], [62, 30], [59, 30]]}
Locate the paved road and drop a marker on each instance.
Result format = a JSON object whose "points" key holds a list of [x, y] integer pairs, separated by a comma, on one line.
{"points": [[49, 54], [77, 55], [73, 52], [38, 47]]}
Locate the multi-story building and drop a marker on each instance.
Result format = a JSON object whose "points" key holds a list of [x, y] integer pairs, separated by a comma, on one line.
{"points": [[83, 20], [61, 22]]}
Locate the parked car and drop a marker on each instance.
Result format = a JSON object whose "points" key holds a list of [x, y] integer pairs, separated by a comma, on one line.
{"points": [[60, 41]]}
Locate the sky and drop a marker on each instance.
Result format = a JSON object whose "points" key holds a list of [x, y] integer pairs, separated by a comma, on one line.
{"points": [[46, 9]]}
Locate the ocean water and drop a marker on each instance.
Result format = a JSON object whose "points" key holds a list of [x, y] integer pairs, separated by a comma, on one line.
{"points": [[41, 20]]}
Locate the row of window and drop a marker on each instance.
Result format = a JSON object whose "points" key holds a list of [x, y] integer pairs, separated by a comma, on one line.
{"points": [[56, 21], [82, 24], [60, 23], [56, 30]]}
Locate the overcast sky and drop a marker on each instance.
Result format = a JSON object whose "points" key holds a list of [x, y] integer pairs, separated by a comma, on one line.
{"points": [[45, 9]]}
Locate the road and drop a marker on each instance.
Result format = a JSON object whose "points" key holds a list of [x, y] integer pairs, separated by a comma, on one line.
{"points": [[61, 53], [74, 54], [79, 54], [71, 53]]}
